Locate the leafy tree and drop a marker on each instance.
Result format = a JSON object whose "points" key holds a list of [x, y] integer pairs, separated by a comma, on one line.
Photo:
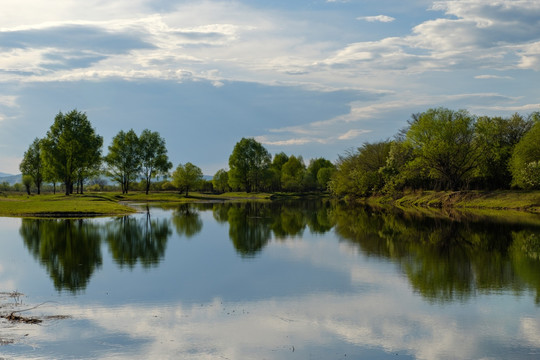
{"points": [[358, 173], [124, 159], [221, 181], [312, 178], [443, 144], [154, 159], [275, 171], [71, 148], [324, 175], [27, 182], [32, 164], [292, 174], [525, 161], [187, 177], [496, 138], [249, 163]]}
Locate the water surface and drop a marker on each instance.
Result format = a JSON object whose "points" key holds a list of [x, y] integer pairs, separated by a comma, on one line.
{"points": [[298, 280]]}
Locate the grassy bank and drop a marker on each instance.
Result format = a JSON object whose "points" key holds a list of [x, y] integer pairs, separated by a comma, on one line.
{"points": [[100, 204], [495, 200]]}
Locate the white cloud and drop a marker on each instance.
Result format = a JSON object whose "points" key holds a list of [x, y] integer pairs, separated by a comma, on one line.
{"points": [[353, 133], [377, 18], [487, 77]]}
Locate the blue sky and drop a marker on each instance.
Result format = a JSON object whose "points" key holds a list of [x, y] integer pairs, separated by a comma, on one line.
{"points": [[310, 78]]}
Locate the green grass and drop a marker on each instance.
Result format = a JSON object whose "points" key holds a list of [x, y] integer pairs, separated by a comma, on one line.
{"points": [[495, 200], [61, 206], [100, 204]]}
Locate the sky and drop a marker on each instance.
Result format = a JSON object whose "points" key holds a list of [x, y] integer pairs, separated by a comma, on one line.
{"points": [[309, 78]]}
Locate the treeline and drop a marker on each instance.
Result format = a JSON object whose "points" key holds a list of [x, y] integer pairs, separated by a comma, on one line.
{"points": [[71, 155], [442, 149]]}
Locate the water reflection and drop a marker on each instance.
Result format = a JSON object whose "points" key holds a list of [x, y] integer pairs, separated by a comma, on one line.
{"points": [[132, 240], [252, 224], [70, 250], [187, 220], [448, 258], [445, 257]]}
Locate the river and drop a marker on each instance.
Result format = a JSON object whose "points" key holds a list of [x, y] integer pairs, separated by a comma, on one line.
{"points": [[272, 280]]}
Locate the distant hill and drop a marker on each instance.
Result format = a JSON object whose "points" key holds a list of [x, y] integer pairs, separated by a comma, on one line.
{"points": [[11, 179]]}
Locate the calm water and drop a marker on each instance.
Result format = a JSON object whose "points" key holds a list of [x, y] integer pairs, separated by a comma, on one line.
{"points": [[302, 280]]}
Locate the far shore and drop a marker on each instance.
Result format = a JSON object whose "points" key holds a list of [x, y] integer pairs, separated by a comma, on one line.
{"points": [[93, 204]]}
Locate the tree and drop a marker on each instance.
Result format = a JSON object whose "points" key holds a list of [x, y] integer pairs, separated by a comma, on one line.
{"points": [[292, 174], [221, 181], [525, 161], [275, 171], [32, 164], [27, 182], [315, 165], [187, 176], [154, 160], [496, 138], [124, 159], [71, 148], [443, 144], [249, 163]]}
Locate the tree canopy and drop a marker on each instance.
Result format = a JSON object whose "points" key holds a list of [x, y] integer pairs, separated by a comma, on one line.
{"points": [[72, 149], [124, 159], [249, 164], [32, 165], [187, 177]]}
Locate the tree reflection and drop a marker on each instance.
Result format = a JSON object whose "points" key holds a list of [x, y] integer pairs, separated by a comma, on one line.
{"points": [[187, 220], [69, 249], [133, 239], [447, 257], [253, 224]]}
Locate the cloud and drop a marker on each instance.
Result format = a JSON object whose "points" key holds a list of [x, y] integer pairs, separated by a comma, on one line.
{"points": [[353, 133], [486, 77], [378, 18]]}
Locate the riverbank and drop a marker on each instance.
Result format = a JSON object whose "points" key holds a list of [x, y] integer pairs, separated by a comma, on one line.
{"points": [[528, 201], [100, 204], [114, 203]]}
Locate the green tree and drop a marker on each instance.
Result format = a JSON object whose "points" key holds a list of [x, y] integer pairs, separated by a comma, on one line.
{"points": [[124, 159], [154, 159], [221, 181], [249, 164], [187, 177], [496, 138], [525, 161], [27, 182], [275, 171], [312, 174], [32, 164], [359, 172], [443, 144], [71, 148], [292, 174]]}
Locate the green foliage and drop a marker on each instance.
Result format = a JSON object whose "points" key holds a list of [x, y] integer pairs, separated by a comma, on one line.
{"points": [[312, 179], [154, 159], [187, 177], [124, 159], [525, 160], [249, 164], [32, 165], [71, 150], [358, 173], [27, 181], [221, 181], [496, 138], [443, 145], [292, 174]]}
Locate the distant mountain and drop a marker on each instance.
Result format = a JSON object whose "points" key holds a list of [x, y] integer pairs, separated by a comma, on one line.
{"points": [[4, 174], [207, 177], [11, 179]]}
